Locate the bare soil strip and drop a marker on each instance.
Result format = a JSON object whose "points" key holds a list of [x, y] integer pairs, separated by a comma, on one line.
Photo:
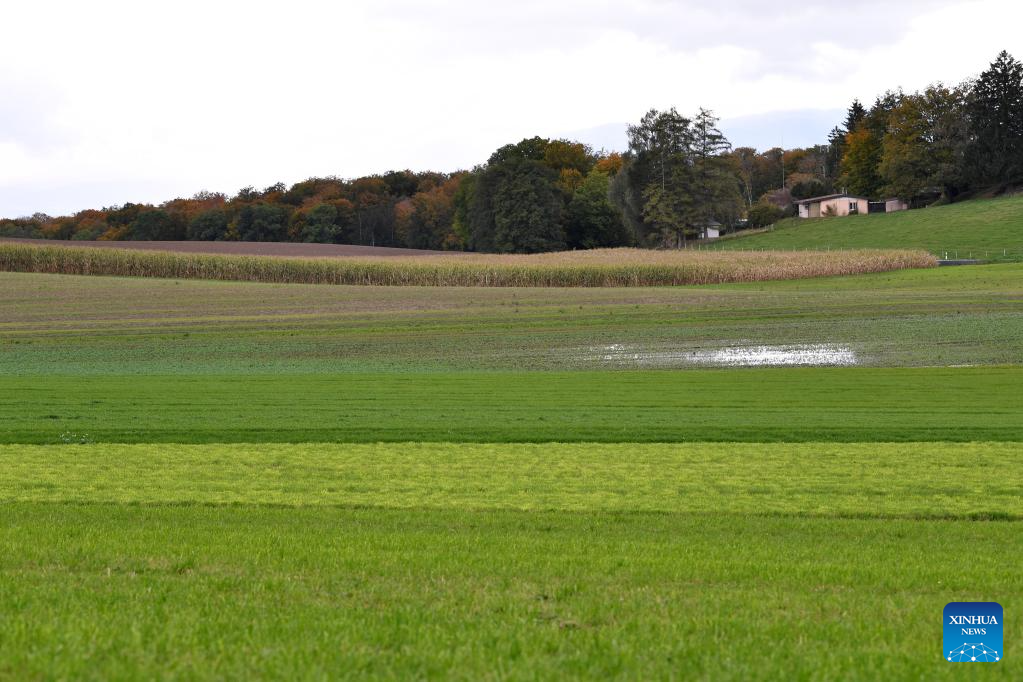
{"points": [[294, 250]]}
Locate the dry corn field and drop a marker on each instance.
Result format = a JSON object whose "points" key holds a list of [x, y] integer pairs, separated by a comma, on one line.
{"points": [[596, 268]]}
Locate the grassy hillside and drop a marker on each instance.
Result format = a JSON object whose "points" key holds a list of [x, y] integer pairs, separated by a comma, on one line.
{"points": [[984, 228]]}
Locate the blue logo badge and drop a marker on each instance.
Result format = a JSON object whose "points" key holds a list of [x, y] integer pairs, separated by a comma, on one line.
{"points": [[973, 632]]}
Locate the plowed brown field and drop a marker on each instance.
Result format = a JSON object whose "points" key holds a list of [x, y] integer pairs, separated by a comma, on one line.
{"points": [[294, 250]]}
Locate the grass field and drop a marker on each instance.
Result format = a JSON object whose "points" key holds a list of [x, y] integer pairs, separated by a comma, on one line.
{"points": [[988, 229], [199, 591], [799, 404], [697, 561], [209, 480], [855, 480]]}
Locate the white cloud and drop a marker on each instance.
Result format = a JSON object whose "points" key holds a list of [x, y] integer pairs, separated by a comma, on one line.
{"points": [[111, 101]]}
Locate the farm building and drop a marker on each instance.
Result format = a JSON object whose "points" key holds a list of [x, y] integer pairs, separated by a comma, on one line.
{"points": [[833, 205], [710, 230], [847, 204], [891, 206]]}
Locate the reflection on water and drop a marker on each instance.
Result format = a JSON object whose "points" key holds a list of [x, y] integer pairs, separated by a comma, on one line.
{"points": [[731, 356]]}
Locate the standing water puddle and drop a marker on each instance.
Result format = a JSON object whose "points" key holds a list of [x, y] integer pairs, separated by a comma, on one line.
{"points": [[732, 356]]}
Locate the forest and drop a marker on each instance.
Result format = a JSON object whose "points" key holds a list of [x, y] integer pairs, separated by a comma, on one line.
{"points": [[678, 175]]}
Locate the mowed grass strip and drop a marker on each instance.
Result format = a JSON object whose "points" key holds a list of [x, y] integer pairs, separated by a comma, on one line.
{"points": [[924, 480], [754, 405], [198, 592], [596, 268]]}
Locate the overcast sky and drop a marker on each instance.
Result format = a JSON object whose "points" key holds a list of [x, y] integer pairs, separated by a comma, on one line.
{"points": [[104, 102]]}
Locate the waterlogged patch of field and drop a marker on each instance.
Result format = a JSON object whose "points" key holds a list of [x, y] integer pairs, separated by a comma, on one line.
{"points": [[56, 324], [919, 480], [815, 355]]}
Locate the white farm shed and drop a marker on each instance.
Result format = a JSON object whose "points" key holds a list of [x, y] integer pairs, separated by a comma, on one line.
{"points": [[710, 230]]}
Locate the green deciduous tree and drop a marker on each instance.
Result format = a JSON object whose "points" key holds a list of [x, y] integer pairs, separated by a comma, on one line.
{"points": [[320, 225], [591, 220], [527, 210], [860, 163], [156, 224], [905, 158], [530, 149], [209, 225], [924, 144], [262, 223], [401, 183], [518, 201], [764, 213]]}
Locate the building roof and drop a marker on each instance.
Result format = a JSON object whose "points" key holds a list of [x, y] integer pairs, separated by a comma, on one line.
{"points": [[828, 197]]}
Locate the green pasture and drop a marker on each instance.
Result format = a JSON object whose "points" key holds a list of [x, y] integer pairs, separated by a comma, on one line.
{"points": [[988, 229], [199, 592], [501, 562], [775, 404], [755, 405]]}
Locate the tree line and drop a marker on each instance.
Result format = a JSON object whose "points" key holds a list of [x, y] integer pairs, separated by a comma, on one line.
{"points": [[679, 175], [939, 145]]}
